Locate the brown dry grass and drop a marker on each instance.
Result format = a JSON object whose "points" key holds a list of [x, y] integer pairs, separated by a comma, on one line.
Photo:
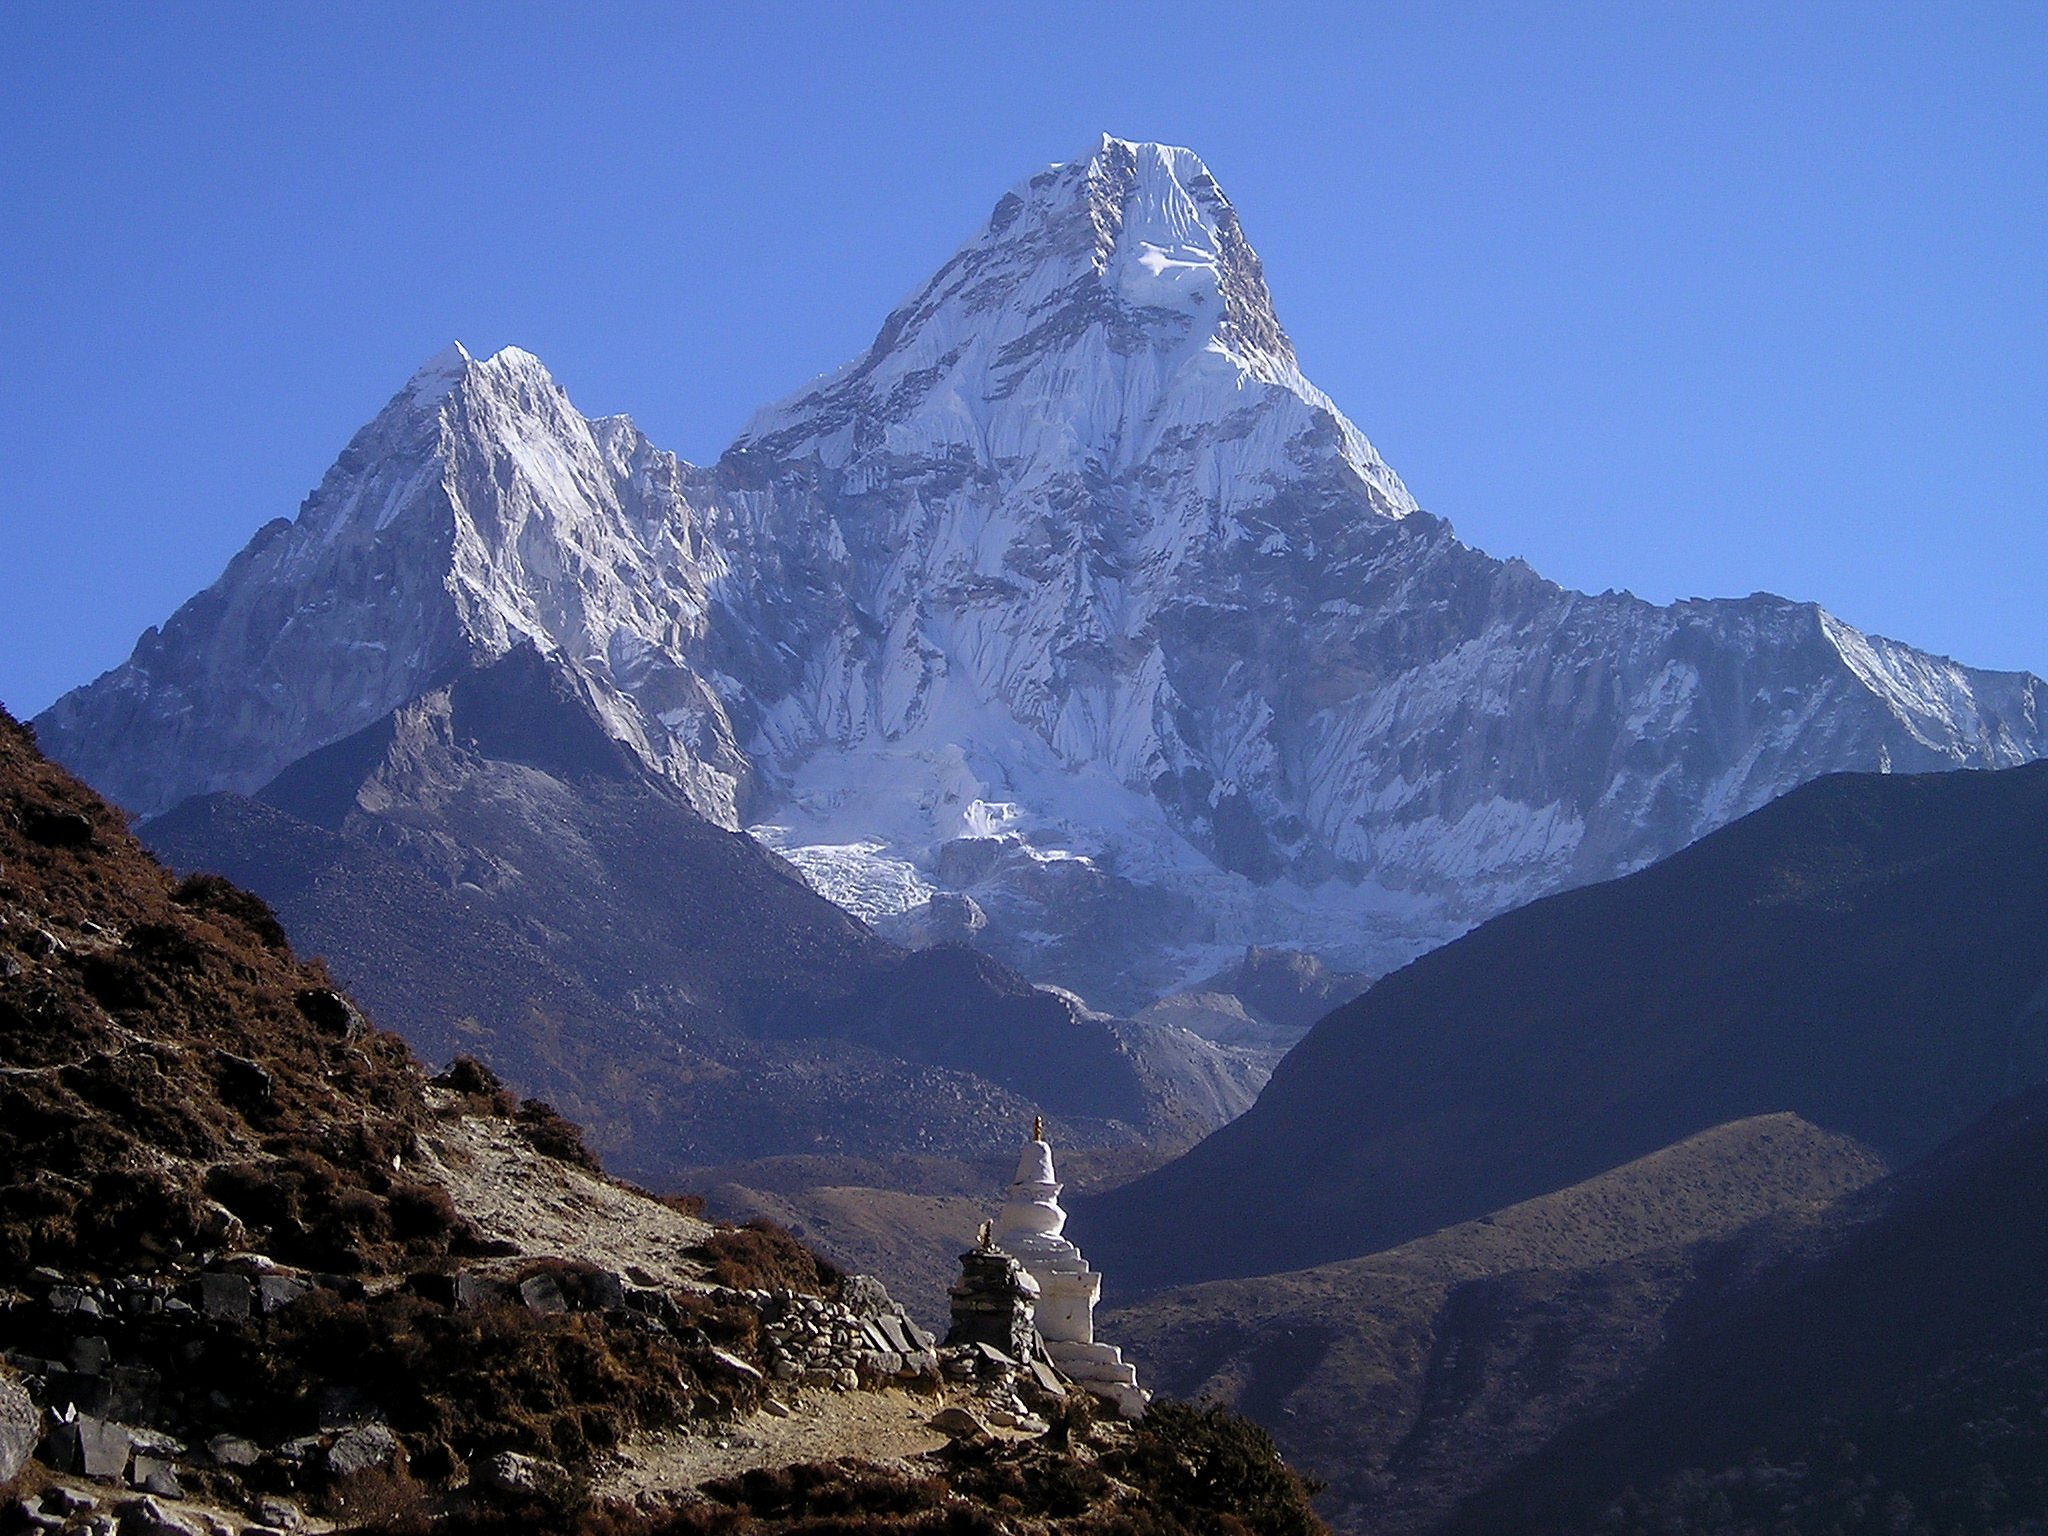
{"points": [[762, 1256], [175, 1084], [1182, 1472], [168, 1062]]}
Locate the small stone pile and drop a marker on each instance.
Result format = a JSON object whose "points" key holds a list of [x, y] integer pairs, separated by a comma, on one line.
{"points": [[993, 1303], [1014, 1393], [62, 1511], [65, 1511], [862, 1339]]}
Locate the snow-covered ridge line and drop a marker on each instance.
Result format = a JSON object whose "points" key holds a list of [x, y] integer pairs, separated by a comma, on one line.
{"points": [[1069, 617]]}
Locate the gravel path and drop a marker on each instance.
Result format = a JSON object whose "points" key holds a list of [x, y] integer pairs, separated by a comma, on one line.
{"points": [[821, 1426]]}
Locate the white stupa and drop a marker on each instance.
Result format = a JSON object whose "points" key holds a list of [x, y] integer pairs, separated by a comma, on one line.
{"points": [[1029, 1230]]}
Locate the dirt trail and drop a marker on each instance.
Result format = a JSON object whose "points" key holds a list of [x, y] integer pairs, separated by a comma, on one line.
{"points": [[873, 1426]]}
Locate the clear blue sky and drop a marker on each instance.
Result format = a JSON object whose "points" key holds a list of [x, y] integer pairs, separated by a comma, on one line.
{"points": [[1688, 299]]}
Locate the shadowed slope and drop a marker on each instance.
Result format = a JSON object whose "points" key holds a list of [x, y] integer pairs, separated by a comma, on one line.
{"points": [[1893, 1379], [495, 874], [1407, 1379], [1866, 952]]}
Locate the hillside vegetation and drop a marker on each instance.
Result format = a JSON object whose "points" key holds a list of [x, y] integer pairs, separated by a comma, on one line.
{"points": [[1893, 1379]]}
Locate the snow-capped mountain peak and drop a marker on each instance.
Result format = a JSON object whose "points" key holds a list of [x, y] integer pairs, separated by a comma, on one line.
{"points": [[1069, 615], [478, 511], [1109, 310], [434, 378], [1167, 238]]}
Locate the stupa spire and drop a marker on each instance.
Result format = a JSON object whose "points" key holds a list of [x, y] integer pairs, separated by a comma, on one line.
{"points": [[1031, 1228]]}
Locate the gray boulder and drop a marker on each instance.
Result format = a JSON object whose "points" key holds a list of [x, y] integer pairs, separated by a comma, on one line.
{"points": [[361, 1449], [233, 1451], [225, 1297], [153, 1474], [101, 1448], [146, 1517], [865, 1296], [542, 1294], [510, 1472], [21, 1426], [276, 1292]]}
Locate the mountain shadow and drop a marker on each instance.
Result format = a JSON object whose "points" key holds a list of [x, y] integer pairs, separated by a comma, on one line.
{"points": [[1867, 952], [493, 873], [1894, 1378]]}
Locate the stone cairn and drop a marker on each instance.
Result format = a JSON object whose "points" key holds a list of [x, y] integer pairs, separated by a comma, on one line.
{"points": [[1026, 1294], [992, 1302]]}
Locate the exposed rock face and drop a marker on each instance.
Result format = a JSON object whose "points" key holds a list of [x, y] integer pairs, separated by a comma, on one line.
{"points": [[1114, 580], [478, 510], [1071, 597]]}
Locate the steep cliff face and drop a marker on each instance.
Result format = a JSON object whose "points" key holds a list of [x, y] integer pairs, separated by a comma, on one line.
{"points": [[478, 510], [1071, 603]]}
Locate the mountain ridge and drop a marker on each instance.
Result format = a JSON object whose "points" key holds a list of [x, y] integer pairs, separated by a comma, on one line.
{"points": [[1069, 596], [498, 876], [1863, 952], [1408, 1379], [1889, 1374]]}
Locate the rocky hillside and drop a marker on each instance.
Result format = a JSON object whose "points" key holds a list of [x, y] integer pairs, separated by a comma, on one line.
{"points": [[258, 1273], [494, 874], [1750, 1331], [1866, 952], [1070, 619]]}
